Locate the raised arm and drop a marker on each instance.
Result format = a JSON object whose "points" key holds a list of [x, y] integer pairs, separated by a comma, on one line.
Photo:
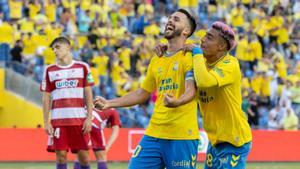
{"points": [[204, 79]]}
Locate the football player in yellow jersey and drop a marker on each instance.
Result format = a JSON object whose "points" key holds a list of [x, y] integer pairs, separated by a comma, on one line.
{"points": [[218, 79], [171, 139]]}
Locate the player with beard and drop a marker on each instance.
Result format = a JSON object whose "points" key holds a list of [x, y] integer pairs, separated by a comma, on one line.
{"points": [[171, 139]]}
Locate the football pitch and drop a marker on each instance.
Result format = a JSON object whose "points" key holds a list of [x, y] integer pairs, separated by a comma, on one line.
{"points": [[118, 165]]}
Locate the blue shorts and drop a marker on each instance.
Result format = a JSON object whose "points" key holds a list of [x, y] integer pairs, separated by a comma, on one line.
{"points": [[225, 155], [155, 153]]}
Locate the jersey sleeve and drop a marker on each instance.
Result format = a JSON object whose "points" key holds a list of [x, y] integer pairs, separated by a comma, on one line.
{"points": [[88, 77], [115, 118], [149, 82], [45, 84], [188, 67], [226, 72]]}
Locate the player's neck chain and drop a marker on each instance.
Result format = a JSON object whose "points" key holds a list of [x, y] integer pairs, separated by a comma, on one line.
{"points": [[210, 65]]}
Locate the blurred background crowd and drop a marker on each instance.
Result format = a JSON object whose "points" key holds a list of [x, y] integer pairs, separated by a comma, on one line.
{"points": [[117, 37]]}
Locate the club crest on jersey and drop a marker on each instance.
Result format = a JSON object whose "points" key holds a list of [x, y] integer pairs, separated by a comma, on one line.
{"points": [[66, 84], [159, 70], [175, 67]]}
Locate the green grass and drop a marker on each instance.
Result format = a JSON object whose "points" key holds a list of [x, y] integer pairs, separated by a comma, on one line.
{"points": [[112, 165]]}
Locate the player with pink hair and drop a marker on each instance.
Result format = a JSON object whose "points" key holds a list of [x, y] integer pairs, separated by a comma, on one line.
{"points": [[218, 79]]}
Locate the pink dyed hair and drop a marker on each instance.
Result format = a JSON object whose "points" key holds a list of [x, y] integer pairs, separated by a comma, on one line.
{"points": [[226, 32]]}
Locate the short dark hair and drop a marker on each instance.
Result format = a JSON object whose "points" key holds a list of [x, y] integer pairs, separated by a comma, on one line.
{"points": [[60, 39], [191, 19]]}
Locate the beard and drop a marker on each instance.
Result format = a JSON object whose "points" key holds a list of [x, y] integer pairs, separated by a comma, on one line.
{"points": [[173, 34]]}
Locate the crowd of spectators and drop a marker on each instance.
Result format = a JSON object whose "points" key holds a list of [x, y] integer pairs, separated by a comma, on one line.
{"points": [[117, 37]]}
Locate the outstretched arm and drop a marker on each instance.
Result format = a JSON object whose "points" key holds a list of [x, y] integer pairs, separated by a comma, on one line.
{"points": [[133, 98]]}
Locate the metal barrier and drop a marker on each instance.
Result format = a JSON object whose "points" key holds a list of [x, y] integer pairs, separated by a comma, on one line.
{"points": [[23, 86]]}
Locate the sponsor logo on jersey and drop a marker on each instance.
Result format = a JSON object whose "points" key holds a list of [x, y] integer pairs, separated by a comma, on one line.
{"points": [[43, 85], [66, 84], [90, 78]]}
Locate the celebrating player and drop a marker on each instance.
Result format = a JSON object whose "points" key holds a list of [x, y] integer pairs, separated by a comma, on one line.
{"points": [[218, 80], [66, 86], [171, 139]]}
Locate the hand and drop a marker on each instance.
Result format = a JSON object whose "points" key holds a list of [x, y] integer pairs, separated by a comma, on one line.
{"points": [[170, 101], [87, 125], [107, 147], [188, 48], [251, 113], [100, 103], [160, 49], [49, 129]]}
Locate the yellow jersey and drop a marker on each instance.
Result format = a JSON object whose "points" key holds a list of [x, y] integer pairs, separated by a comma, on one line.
{"points": [[49, 56], [116, 72], [152, 30], [256, 84], [41, 39], [124, 55], [26, 25], [33, 10], [266, 86], [142, 8], [256, 50], [95, 74], [70, 4], [101, 62], [223, 118], [262, 27], [281, 68], [29, 46], [283, 36], [15, 11], [168, 75], [7, 30], [187, 3], [275, 22], [242, 50], [50, 12], [237, 17]]}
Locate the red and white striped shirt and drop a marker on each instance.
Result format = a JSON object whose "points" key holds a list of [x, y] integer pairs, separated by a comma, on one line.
{"points": [[66, 85], [105, 118]]}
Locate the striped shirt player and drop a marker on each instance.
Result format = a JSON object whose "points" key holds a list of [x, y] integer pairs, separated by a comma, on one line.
{"points": [[66, 85], [102, 119]]}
